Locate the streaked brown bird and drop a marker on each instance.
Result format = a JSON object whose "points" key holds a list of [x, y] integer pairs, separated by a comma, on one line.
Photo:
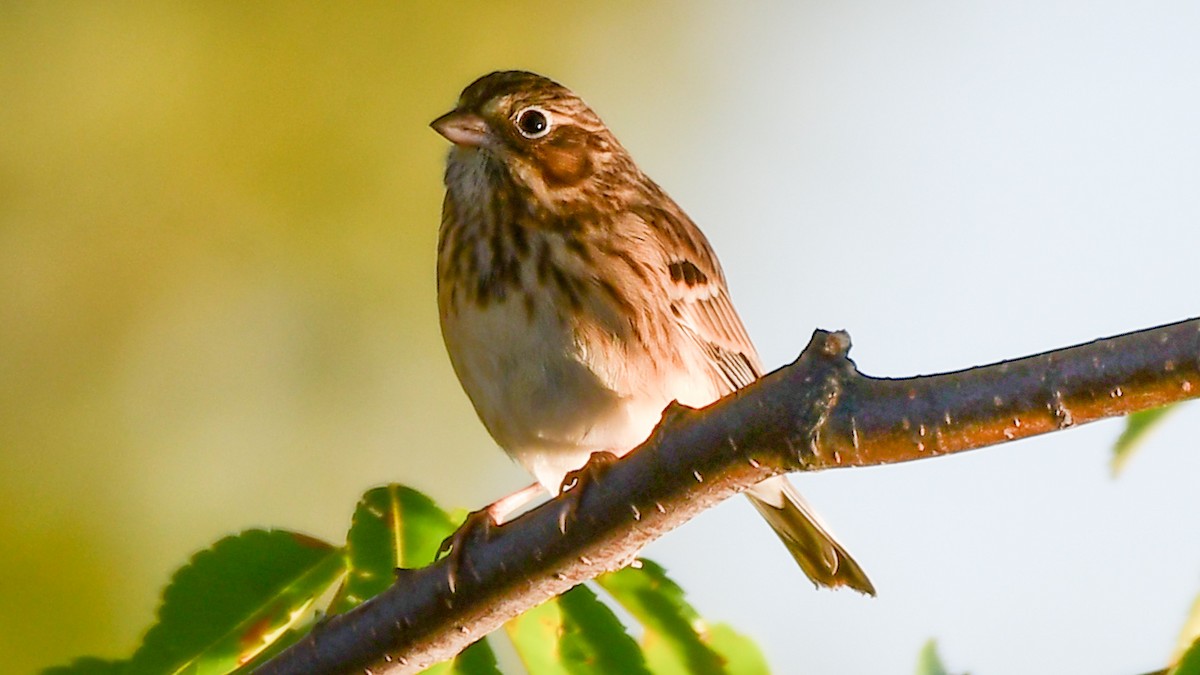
{"points": [[577, 300]]}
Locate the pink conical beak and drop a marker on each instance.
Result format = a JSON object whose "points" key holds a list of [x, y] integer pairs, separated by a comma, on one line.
{"points": [[462, 128]]}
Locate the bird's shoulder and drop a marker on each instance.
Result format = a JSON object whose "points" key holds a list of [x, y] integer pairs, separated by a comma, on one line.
{"points": [[687, 272]]}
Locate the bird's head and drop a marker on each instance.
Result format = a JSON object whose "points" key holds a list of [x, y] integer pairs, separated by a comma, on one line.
{"points": [[539, 133]]}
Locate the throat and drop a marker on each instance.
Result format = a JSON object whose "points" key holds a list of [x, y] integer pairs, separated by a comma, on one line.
{"points": [[499, 243], [484, 235]]}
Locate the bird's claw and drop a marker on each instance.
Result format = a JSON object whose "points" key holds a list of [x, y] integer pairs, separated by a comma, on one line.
{"points": [[477, 523], [576, 483]]}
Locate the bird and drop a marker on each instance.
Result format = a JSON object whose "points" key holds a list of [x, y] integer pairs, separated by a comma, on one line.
{"points": [[577, 300]]}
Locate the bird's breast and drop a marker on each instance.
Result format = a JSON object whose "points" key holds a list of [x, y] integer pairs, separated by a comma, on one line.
{"points": [[535, 383], [562, 351]]}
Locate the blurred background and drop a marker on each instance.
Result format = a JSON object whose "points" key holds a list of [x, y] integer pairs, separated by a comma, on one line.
{"points": [[217, 234]]}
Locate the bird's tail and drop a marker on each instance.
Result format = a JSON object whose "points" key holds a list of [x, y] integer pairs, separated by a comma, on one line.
{"points": [[814, 548]]}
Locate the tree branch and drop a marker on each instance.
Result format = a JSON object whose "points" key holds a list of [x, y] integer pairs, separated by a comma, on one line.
{"points": [[816, 413]]}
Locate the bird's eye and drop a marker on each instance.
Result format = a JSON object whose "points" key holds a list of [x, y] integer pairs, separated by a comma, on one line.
{"points": [[533, 122]]}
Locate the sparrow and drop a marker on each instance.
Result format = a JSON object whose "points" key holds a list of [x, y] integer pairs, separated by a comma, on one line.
{"points": [[577, 300]]}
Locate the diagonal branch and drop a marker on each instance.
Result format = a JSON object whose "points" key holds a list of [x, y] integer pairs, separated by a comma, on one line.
{"points": [[816, 413]]}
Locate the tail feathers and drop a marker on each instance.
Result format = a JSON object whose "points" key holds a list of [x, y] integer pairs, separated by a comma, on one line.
{"points": [[818, 554]]}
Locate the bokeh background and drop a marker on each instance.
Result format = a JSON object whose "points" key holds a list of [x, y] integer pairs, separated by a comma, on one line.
{"points": [[217, 232]]}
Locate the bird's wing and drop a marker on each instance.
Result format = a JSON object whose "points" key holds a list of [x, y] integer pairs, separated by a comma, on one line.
{"points": [[699, 298]]}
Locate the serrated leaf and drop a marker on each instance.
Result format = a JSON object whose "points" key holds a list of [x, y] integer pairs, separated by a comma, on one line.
{"points": [[676, 640], [397, 527], [928, 661], [1189, 663], [1138, 425], [234, 599], [89, 666], [393, 526]]}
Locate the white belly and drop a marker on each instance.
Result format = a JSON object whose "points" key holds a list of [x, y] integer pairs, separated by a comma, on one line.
{"points": [[540, 393]]}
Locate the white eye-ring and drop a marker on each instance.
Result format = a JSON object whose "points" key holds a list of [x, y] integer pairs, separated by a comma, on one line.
{"points": [[533, 122]]}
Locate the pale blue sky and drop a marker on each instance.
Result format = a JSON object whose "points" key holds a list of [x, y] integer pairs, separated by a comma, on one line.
{"points": [[953, 183]]}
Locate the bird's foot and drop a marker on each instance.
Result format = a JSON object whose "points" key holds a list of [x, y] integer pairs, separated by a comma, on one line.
{"points": [[479, 523], [577, 482]]}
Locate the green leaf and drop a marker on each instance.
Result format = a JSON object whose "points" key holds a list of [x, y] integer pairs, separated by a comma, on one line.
{"points": [[89, 666], [478, 659], [675, 638], [393, 526], [1137, 426], [928, 661], [593, 639], [534, 635], [1189, 663], [574, 634], [1189, 633], [742, 656], [289, 637], [233, 600]]}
